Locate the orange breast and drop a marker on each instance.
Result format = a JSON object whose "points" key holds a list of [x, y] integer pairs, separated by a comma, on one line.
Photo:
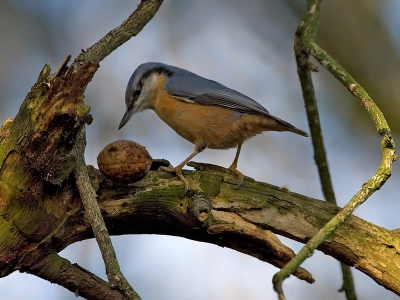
{"points": [[213, 126]]}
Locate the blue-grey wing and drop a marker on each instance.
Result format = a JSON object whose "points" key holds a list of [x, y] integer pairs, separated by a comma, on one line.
{"points": [[187, 85], [191, 87]]}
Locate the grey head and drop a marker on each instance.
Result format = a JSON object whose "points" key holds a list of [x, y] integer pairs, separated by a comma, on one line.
{"points": [[140, 89]]}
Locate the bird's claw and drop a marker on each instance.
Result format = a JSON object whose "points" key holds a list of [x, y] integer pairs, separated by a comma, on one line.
{"points": [[238, 173], [169, 169], [178, 172]]}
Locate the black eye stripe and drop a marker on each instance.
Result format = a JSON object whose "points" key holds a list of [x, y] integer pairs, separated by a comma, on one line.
{"points": [[138, 88]]}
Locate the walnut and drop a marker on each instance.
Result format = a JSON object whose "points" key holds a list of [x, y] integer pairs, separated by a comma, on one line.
{"points": [[124, 161]]}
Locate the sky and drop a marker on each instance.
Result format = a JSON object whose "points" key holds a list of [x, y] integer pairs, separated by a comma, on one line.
{"points": [[245, 45]]}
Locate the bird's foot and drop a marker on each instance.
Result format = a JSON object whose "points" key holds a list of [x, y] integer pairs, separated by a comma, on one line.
{"points": [[178, 172], [169, 169], [239, 174]]}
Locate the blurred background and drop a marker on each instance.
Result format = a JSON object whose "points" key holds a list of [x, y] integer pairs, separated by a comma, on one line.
{"points": [[248, 46]]}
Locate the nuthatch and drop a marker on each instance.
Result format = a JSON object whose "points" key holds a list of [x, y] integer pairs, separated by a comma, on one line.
{"points": [[204, 112]]}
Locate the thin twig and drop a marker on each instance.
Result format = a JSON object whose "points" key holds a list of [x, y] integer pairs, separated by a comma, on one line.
{"points": [[96, 53], [320, 156], [118, 36], [305, 46], [88, 196], [348, 283]]}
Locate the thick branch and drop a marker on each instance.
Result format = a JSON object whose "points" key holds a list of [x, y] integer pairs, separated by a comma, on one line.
{"points": [[153, 206], [81, 282], [36, 162]]}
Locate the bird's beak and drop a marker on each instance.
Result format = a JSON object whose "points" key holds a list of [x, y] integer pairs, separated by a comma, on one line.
{"points": [[128, 114]]}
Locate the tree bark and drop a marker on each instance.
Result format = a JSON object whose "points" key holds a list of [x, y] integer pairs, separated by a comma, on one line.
{"points": [[37, 193]]}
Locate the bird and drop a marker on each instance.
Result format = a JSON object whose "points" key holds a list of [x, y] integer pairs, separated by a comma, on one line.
{"points": [[202, 111]]}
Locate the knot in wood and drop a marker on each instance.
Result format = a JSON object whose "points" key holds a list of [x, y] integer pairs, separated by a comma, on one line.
{"points": [[200, 207]]}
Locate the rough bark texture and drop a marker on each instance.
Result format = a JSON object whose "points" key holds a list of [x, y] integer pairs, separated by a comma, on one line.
{"points": [[239, 218], [37, 187], [37, 194], [74, 278]]}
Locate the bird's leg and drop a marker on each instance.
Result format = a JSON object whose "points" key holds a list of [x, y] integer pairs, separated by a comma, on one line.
{"points": [[178, 168], [233, 166]]}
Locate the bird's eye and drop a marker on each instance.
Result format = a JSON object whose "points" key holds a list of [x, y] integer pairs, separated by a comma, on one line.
{"points": [[137, 92]]}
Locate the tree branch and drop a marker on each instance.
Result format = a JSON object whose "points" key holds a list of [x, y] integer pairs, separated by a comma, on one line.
{"points": [[36, 163], [304, 69], [238, 218], [81, 282], [88, 196], [305, 46], [118, 36]]}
